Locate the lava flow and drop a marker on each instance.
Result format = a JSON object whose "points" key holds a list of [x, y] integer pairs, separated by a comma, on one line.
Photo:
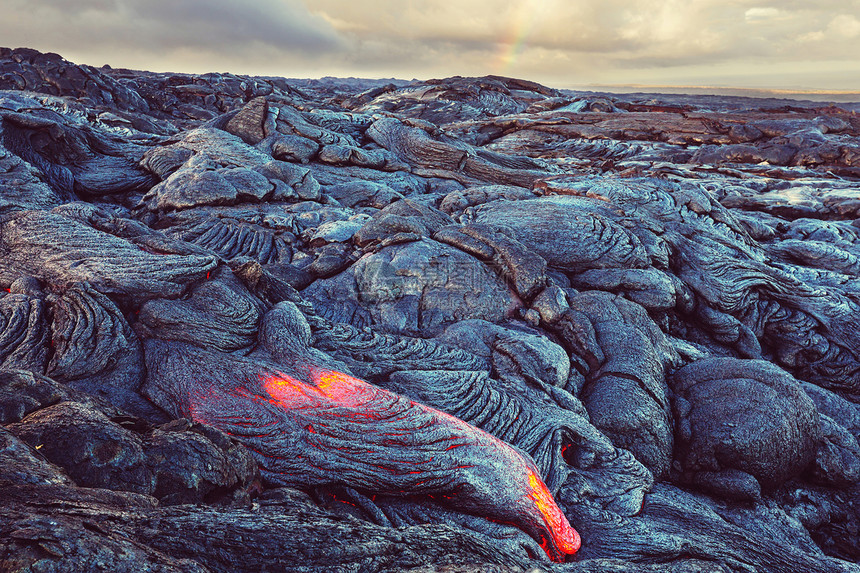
{"points": [[338, 429]]}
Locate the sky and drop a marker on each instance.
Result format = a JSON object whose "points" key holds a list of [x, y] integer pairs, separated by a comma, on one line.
{"points": [[772, 44]]}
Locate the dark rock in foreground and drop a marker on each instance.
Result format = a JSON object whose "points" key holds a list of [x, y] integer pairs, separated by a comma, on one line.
{"points": [[649, 307]]}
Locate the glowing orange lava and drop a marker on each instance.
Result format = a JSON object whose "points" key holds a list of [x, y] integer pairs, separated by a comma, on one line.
{"points": [[565, 537], [359, 399], [333, 388]]}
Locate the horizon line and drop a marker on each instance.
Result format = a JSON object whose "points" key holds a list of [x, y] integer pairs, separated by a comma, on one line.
{"points": [[810, 91]]}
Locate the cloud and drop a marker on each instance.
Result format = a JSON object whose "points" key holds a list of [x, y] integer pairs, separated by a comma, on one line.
{"points": [[205, 30], [758, 14], [561, 42], [845, 25], [593, 37]]}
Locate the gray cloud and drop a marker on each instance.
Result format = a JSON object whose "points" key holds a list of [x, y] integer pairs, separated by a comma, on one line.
{"points": [[170, 31], [561, 42]]}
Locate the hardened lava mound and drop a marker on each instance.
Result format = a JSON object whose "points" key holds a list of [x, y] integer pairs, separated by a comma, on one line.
{"points": [[459, 325]]}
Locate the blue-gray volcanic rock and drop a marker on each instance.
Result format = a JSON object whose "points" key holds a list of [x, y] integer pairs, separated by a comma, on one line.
{"points": [[256, 324]]}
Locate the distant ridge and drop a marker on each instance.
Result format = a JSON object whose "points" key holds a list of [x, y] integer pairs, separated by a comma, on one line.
{"points": [[794, 94]]}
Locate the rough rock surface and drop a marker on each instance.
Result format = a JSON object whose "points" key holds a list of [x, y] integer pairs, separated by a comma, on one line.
{"points": [[633, 315]]}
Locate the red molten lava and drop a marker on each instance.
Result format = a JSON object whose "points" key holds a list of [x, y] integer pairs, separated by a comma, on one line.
{"points": [[566, 538], [501, 483]]}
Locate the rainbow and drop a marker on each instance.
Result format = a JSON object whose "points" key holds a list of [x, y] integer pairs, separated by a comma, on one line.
{"points": [[513, 43]]}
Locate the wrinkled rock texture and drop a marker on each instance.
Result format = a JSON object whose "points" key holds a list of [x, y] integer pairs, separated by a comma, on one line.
{"points": [[653, 301]]}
